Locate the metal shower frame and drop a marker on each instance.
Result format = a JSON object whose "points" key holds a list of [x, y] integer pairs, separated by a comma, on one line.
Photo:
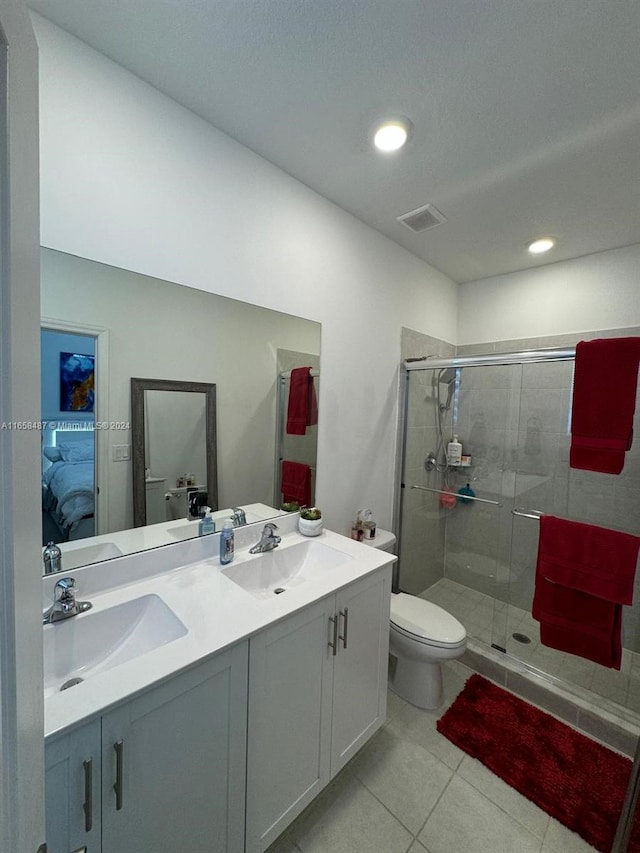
{"points": [[625, 822]]}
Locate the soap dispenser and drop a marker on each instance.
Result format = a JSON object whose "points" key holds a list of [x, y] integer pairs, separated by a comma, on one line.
{"points": [[206, 524], [226, 542]]}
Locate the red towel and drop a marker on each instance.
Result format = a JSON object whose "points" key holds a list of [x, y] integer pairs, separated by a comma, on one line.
{"points": [[604, 399], [572, 621], [592, 559], [302, 409], [296, 483], [584, 574]]}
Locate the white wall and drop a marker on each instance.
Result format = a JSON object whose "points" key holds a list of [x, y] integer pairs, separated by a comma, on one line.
{"points": [[134, 180], [21, 707], [592, 293]]}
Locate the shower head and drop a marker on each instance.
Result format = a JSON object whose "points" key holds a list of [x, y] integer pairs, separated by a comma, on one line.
{"points": [[447, 375]]}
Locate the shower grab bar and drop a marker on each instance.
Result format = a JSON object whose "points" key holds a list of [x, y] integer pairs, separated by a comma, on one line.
{"points": [[535, 514], [464, 497]]}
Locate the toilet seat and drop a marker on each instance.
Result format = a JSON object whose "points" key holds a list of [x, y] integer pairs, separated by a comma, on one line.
{"points": [[425, 622]]}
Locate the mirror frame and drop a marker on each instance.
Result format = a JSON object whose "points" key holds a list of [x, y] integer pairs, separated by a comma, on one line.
{"points": [[138, 387]]}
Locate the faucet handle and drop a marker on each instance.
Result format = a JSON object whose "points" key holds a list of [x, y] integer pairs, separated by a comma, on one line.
{"points": [[270, 526], [64, 589]]}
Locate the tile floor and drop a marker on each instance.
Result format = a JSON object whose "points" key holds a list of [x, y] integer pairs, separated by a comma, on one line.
{"points": [[490, 621], [410, 790]]}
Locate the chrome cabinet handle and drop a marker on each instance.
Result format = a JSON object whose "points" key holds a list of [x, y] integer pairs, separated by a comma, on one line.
{"points": [[334, 645], [119, 750], [88, 794], [345, 615]]}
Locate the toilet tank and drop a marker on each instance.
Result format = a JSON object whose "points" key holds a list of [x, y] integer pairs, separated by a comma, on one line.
{"points": [[384, 540]]}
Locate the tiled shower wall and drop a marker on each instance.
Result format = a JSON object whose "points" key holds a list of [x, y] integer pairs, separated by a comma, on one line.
{"points": [[514, 421]]}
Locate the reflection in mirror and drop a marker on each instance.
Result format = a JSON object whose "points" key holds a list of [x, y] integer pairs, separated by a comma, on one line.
{"points": [[173, 435], [179, 333]]}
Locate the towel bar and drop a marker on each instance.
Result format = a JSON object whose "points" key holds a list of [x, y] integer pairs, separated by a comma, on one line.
{"points": [[466, 497], [535, 514]]}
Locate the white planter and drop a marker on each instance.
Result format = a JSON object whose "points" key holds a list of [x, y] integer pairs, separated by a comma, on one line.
{"points": [[309, 527]]}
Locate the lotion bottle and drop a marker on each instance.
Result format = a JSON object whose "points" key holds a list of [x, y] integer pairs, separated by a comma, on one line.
{"points": [[454, 452], [226, 543]]}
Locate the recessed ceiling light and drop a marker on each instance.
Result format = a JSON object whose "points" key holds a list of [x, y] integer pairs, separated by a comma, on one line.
{"points": [[391, 135], [543, 244]]}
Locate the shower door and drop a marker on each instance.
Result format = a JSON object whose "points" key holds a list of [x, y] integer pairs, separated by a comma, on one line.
{"points": [[541, 487], [545, 484], [455, 547]]}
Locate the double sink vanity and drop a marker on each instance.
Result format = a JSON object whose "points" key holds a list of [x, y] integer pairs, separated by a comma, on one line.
{"points": [[201, 707]]}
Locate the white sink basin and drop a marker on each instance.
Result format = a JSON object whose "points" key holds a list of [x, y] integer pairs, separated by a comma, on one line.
{"points": [[184, 531], [73, 557], [277, 571], [95, 641]]}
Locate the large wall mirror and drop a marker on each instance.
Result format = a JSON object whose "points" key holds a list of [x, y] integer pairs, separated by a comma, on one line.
{"points": [[105, 326]]}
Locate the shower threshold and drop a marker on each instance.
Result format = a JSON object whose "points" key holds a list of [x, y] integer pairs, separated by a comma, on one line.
{"points": [[595, 716], [578, 691]]}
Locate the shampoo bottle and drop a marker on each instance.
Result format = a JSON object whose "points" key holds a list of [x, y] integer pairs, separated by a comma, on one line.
{"points": [[206, 524], [226, 542], [454, 452]]}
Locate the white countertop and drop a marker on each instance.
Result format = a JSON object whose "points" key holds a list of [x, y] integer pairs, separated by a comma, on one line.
{"points": [[217, 612], [82, 552]]}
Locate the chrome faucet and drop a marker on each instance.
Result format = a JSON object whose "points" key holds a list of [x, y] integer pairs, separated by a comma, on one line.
{"points": [[239, 517], [52, 558], [268, 540], [64, 602]]}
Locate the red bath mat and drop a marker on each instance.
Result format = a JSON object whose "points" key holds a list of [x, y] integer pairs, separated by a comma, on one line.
{"points": [[577, 781]]}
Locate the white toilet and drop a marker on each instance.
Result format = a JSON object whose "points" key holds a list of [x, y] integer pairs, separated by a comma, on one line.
{"points": [[422, 635]]}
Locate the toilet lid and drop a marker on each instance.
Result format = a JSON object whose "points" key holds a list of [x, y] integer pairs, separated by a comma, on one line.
{"points": [[425, 619]]}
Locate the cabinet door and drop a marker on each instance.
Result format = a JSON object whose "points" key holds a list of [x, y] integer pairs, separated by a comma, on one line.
{"points": [[174, 763], [72, 790], [289, 720], [360, 673]]}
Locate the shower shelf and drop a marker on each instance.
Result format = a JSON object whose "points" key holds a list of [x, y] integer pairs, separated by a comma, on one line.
{"points": [[466, 497]]}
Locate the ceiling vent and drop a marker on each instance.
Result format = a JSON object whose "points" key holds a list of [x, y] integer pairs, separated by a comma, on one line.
{"points": [[422, 218]]}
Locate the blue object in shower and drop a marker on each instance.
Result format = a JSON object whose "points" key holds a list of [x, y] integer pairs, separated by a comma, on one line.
{"points": [[466, 490]]}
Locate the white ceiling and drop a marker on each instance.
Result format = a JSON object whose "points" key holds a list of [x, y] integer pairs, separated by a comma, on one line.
{"points": [[526, 112]]}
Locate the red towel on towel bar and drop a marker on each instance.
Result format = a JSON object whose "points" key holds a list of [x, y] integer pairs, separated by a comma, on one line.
{"points": [[302, 408], [604, 399], [584, 574], [592, 559], [296, 483]]}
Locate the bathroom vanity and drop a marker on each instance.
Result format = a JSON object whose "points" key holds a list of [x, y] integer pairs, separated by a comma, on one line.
{"points": [[224, 699]]}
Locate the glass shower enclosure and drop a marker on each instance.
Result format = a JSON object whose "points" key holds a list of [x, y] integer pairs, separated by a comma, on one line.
{"points": [[468, 534]]}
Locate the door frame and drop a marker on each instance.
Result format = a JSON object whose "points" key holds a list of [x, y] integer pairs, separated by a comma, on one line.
{"points": [[101, 410], [21, 684]]}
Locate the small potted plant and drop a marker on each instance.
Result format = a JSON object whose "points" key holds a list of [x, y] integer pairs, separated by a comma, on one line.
{"points": [[290, 506], [310, 521]]}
